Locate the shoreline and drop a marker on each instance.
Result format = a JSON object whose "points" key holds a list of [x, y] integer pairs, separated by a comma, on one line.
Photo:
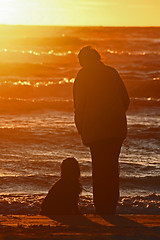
{"points": [[87, 226]]}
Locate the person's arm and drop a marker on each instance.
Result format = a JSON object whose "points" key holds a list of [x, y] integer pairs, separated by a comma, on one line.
{"points": [[123, 92], [79, 101]]}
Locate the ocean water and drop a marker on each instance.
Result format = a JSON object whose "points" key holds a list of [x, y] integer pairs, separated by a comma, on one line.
{"points": [[38, 67]]}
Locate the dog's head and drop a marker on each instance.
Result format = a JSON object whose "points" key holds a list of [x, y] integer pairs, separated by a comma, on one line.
{"points": [[70, 168]]}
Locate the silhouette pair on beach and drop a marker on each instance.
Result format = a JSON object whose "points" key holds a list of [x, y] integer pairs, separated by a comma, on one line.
{"points": [[100, 102]]}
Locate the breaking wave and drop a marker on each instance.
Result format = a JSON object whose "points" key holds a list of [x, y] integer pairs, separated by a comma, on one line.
{"points": [[42, 183], [30, 204], [56, 97]]}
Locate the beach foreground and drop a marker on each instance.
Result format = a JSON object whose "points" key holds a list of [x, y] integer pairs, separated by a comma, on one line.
{"points": [[88, 226]]}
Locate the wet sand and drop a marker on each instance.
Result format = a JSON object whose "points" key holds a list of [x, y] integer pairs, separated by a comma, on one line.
{"points": [[14, 227]]}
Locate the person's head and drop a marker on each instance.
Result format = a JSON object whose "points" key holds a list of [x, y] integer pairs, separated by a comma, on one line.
{"points": [[88, 56], [70, 169]]}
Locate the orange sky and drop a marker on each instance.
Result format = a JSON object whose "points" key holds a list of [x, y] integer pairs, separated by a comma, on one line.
{"points": [[81, 12]]}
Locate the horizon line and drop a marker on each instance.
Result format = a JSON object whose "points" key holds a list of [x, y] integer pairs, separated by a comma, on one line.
{"points": [[119, 26]]}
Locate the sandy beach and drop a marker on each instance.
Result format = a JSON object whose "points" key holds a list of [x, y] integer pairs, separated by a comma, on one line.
{"points": [[80, 227]]}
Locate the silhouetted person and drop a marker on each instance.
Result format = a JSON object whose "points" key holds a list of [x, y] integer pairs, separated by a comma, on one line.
{"points": [[63, 196], [100, 102]]}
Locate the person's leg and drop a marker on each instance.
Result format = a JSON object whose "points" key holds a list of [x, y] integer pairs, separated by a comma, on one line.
{"points": [[105, 171]]}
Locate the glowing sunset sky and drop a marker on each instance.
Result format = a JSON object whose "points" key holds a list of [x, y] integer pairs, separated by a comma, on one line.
{"points": [[81, 12]]}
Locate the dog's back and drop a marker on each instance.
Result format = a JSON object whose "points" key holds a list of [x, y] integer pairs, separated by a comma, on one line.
{"points": [[62, 198]]}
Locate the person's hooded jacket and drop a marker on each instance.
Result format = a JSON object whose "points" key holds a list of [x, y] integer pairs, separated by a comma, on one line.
{"points": [[100, 102]]}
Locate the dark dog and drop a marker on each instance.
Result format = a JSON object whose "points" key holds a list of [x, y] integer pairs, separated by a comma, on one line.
{"points": [[63, 196]]}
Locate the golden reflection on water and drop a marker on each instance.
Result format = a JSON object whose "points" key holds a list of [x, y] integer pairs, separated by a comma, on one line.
{"points": [[38, 84], [69, 52], [50, 52]]}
